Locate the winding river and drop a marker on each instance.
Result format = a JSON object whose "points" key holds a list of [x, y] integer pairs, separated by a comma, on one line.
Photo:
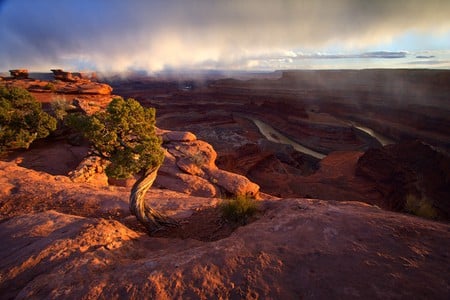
{"points": [[382, 139], [275, 136]]}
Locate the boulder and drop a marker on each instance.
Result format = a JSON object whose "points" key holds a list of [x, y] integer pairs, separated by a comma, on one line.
{"points": [[172, 177], [233, 185], [191, 162], [198, 152], [188, 184]]}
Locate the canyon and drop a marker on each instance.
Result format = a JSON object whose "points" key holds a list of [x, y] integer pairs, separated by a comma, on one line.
{"points": [[302, 133], [341, 162]]}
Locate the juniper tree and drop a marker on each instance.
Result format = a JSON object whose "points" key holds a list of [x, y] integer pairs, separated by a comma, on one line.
{"points": [[124, 134], [22, 119]]}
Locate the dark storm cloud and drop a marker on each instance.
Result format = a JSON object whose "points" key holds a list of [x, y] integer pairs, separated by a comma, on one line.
{"points": [[118, 35]]}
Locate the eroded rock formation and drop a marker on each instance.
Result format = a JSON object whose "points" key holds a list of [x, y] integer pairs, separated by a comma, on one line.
{"points": [[73, 76], [65, 239], [189, 167], [64, 83], [19, 73]]}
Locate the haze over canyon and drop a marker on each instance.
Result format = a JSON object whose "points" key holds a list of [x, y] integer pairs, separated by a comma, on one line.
{"points": [[297, 150]]}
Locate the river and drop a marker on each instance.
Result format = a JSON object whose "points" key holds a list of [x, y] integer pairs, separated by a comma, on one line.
{"points": [[275, 136], [382, 139]]}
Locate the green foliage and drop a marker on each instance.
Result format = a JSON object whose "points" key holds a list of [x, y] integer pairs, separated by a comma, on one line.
{"points": [[239, 209], [22, 119], [60, 107], [420, 206], [50, 87], [123, 134]]}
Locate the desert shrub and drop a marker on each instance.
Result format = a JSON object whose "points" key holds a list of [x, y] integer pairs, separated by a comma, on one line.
{"points": [[22, 119], [420, 206], [50, 87], [239, 209], [60, 107]]}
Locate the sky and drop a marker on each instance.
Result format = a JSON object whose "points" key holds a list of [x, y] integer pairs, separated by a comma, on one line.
{"points": [[258, 35]]}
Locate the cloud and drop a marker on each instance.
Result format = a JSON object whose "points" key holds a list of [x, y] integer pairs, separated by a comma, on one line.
{"points": [[154, 35], [425, 56], [442, 63], [373, 54]]}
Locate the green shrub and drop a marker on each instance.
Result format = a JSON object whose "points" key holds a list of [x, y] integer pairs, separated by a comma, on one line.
{"points": [[420, 206], [239, 209], [60, 107], [22, 119], [50, 87], [124, 134]]}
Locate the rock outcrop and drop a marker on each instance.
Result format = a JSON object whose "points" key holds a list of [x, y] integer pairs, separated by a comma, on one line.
{"points": [[189, 167], [19, 73], [64, 83], [90, 104], [91, 170], [59, 239], [410, 176], [73, 76]]}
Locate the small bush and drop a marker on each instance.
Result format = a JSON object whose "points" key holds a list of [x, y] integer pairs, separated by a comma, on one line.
{"points": [[60, 106], [420, 206], [239, 209], [50, 87]]}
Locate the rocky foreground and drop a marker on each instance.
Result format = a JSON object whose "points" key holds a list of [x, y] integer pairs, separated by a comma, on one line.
{"points": [[66, 231], [61, 239]]}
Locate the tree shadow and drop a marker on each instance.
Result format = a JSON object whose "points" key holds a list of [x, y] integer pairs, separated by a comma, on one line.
{"points": [[55, 157], [205, 225]]}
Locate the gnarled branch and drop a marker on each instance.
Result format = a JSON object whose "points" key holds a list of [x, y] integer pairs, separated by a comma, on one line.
{"points": [[149, 217]]}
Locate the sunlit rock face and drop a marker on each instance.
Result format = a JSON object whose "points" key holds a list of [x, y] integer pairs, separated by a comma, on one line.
{"points": [[190, 167], [73, 76]]}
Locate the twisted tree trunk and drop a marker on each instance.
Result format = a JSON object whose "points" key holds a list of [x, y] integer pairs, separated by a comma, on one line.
{"points": [[149, 217]]}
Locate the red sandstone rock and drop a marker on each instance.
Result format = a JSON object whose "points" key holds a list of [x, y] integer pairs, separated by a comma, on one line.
{"points": [[94, 88], [189, 167], [64, 75], [178, 136], [411, 169], [19, 73], [298, 248], [92, 170], [91, 104]]}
